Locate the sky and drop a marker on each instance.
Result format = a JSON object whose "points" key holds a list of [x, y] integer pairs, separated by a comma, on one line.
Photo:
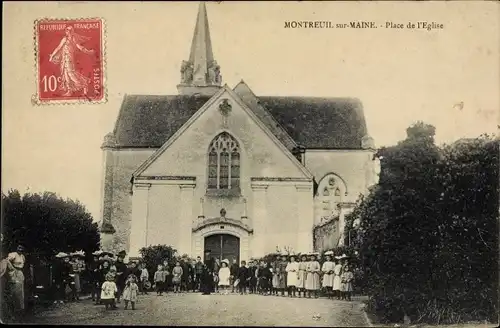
{"points": [[400, 75]]}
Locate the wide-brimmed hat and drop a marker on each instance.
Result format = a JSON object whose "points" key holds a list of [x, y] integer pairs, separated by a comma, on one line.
{"points": [[97, 253], [61, 255], [344, 256], [316, 255], [78, 254], [108, 258], [328, 253], [122, 254], [225, 261]]}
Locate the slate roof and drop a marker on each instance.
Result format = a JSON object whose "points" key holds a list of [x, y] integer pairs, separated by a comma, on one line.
{"points": [[329, 123]]}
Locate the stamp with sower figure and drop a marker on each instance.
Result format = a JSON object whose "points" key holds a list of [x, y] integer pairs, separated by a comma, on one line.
{"points": [[70, 61]]}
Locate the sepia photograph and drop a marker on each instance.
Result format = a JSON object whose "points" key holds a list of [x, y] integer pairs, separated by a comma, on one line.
{"points": [[250, 163]]}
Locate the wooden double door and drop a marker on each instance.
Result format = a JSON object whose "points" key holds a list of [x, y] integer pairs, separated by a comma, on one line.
{"points": [[223, 246]]}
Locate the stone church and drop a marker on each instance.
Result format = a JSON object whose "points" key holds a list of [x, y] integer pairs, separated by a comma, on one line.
{"points": [[222, 168]]}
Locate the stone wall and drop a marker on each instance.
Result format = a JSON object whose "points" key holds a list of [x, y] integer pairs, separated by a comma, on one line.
{"points": [[117, 202], [326, 235]]}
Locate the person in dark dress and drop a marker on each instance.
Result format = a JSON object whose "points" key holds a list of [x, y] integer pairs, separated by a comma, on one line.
{"points": [[60, 276], [93, 275], [198, 272], [242, 276], [121, 274], [186, 272], [234, 269], [252, 277], [104, 268], [191, 279], [266, 277], [207, 277]]}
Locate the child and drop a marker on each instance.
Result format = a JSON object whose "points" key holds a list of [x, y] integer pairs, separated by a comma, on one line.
{"points": [[276, 276], [242, 277], [312, 279], [347, 277], [130, 291], [328, 275], [176, 277], [159, 280], [292, 268], [337, 272], [108, 291], [144, 278], [224, 274], [266, 277], [302, 274]]}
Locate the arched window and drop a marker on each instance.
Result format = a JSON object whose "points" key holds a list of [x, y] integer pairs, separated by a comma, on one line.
{"points": [[224, 163], [330, 191]]}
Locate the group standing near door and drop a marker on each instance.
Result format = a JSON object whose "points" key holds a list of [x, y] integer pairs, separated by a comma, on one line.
{"points": [[286, 275]]}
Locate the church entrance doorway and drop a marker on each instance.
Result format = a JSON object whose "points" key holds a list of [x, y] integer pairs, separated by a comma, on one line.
{"points": [[223, 246]]}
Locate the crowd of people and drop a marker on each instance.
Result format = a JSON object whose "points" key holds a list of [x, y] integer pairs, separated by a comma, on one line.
{"points": [[286, 275], [109, 280]]}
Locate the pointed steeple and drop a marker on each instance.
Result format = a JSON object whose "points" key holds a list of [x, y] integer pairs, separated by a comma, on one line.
{"points": [[201, 73]]}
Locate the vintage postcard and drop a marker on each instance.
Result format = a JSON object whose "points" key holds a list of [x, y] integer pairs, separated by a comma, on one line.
{"points": [[250, 163]]}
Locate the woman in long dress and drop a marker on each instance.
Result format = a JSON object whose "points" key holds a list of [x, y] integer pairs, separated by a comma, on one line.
{"points": [[292, 270], [328, 275], [276, 276], [16, 278], [312, 281], [64, 55], [282, 274], [302, 275], [337, 271]]}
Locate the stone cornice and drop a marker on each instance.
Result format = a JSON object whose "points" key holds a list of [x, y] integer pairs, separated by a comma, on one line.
{"points": [[167, 177], [142, 185], [187, 186], [346, 205], [303, 187], [166, 180], [259, 187], [220, 220], [273, 179]]}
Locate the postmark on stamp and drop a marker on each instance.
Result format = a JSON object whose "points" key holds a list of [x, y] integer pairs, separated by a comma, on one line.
{"points": [[70, 61]]}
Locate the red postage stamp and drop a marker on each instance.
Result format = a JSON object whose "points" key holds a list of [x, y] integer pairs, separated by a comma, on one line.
{"points": [[70, 61]]}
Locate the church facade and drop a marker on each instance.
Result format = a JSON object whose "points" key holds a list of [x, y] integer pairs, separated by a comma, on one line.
{"points": [[222, 168]]}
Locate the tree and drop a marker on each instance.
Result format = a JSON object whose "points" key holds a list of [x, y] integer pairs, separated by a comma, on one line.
{"points": [[428, 231], [152, 256], [46, 224]]}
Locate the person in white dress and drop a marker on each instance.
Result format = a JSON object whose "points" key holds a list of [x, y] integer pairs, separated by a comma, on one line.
{"points": [[328, 275], [337, 272], [313, 284], [224, 274], [292, 269], [15, 266], [108, 292]]}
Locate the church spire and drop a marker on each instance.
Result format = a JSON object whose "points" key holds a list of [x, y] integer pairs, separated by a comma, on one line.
{"points": [[201, 73]]}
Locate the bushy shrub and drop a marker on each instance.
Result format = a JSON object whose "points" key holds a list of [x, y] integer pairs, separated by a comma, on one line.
{"points": [[428, 235]]}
